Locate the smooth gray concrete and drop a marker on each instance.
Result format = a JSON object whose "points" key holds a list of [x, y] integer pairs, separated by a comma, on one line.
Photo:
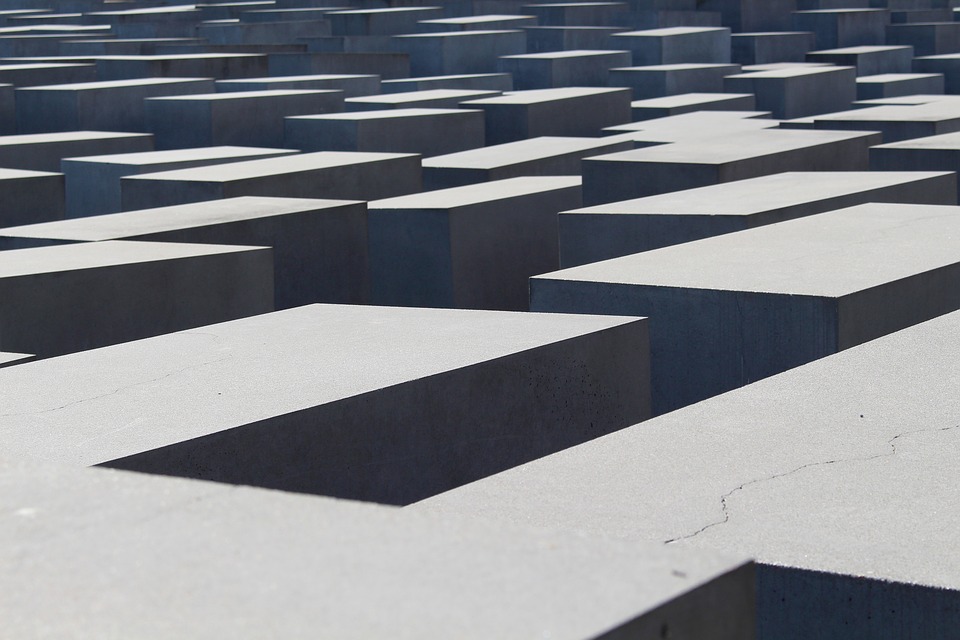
{"points": [[386, 21], [936, 153], [693, 127], [326, 174], [36, 74], [466, 81], [577, 68], [386, 65], [102, 106], [721, 158], [452, 52], [798, 92], [352, 85], [203, 65], [836, 476], [44, 151], [732, 309], [70, 298], [844, 27], [671, 79], [927, 39], [317, 566], [890, 85], [543, 156], [690, 103], [764, 47], [10, 359], [93, 182], [570, 111], [425, 99], [622, 228], [486, 22], [675, 45], [868, 60], [429, 132], [947, 64], [241, 118], [543, 39], [30, 196], [319, 246], [895, 122], [471, 247], [376, 403], [750, 15]]}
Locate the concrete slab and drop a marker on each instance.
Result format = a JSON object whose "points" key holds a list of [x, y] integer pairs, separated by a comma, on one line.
{"points": [[895, 122], [470, 81], [692, 127], [382, 404], [868, 60], [429, 132], [717, 159], [798, 92], [926, 38], [675, 45], [947, 64], [689, 103], [74, 297], [890, 85], [671, 79], [386, 65], [37, 74], [729, 310], [622, 228], [422, 574], [542, 39], [578, 68], [833, 475], [471, 247], [104, 106], [10, 359], [451, 52], [844, 27], [239, 118], [326, 174], [30, 196], [351, 84], [935, 153], [426, 99], [319, 246], [571, 111], [43, 151], [543, 156], [385, 21], [199, 65], [93, 182], [485, 22], [766, 47]]}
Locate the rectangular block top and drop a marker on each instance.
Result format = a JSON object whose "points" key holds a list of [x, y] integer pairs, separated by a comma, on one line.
{"points": [[7, 358], [386, 114], [944, 142], [130, 224], [722, 149], [234, 171], [93, 255], [571, 53], [843, 465], [756, 195], [243, 95], [280, 79], [667, 32], [521, 151], [103, 404], [831, 254], [477, 193], [537, 96], [147, 158], [20, 174], [317, 564], [426, 94], [790, 72], [930, 112], [113, 84], [687, 99], [458, 34]]}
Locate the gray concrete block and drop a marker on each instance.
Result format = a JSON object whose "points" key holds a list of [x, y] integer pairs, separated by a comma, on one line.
{"points": [[543, 156], [44, 151], [689, 103], [717, 159], [936, 153], [732, 309], [889, 85], [30, 196], [93, 182], [752, 16], [10, 359], [895, 122], [588, 14], [383, 404], [386, 21], [833, 475], [328, 563], [241, 118], [326, 174], [868, 60], [116, 105], [352, 85], [843, 27], [488, 22], [36, 74], [623, 228], [471, 82], [256, 33], [70, 298], [429, 132], [425, 99], [319, 246], [572, 111], [385, 65], [580, 68], [543, 39], [453, 52], [675, 45], [692, 127], [201, 65], [471, 247], [672, 79], [798, 92], [948, 65], [767, 47], [927, 39]]}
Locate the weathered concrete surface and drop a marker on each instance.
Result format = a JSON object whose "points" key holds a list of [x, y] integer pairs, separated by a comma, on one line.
{"points": [[835, 476], [377, 403], [631, 226], [729, 310], [111, 549]]}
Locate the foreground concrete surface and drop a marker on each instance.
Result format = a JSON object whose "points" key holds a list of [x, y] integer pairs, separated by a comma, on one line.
{"points": [[103, 553], [837, 476], [375, 403]]}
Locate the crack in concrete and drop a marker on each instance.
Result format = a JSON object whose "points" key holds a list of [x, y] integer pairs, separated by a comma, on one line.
{"points": [[724, 507]]}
